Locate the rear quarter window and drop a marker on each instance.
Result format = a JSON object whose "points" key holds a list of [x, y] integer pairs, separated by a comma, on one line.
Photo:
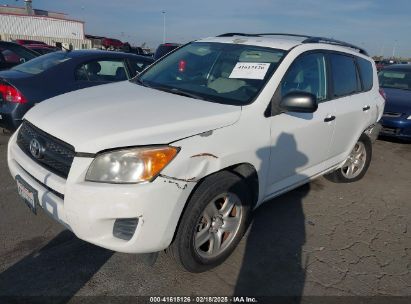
{"points": [[344, 75], [366, 73]]}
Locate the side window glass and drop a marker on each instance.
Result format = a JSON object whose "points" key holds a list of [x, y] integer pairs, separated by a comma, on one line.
{"points": [[102, 71], [81, 73], [366, 72], [138, 66], [308, 74], [344, 75]]}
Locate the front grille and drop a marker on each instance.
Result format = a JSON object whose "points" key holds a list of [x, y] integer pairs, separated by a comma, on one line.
{"points": [[57, 156], [391, 114]]}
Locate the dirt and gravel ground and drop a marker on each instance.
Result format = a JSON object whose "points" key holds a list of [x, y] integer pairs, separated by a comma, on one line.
{"points": [[321, 239]]}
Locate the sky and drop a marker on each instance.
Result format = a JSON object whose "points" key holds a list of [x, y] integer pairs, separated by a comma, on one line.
{"points": [[382, 27]]}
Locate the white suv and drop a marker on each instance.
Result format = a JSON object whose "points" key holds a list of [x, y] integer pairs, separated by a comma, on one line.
{"points": [[179, 157]]}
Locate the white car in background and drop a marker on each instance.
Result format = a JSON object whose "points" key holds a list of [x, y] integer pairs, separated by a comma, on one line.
{"points": [[178, 158]]}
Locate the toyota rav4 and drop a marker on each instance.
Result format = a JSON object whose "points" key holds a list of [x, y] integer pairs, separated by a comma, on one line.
{"points": [[178, 157]]}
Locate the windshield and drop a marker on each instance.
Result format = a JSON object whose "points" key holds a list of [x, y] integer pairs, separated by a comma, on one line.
{"points": [[16, 53], [42, 63], [397, 79], [224, 73]]}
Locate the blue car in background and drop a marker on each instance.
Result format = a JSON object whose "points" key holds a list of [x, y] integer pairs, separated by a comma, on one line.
{"points": [[57, 73], [395, 80]]}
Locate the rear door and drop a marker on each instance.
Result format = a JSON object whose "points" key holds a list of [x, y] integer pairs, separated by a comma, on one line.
{"points": [[352, 105], [300, 142]]}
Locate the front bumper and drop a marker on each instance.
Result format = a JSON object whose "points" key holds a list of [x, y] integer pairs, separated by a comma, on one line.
{"points": [[91, 209], [398, 127]]}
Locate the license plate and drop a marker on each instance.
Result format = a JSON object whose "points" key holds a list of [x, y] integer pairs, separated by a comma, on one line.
{"points": [[27, 193]]}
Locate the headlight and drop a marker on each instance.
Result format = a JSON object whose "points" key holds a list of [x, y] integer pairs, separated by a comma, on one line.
{"points": [[130, 165], [409, 117]]}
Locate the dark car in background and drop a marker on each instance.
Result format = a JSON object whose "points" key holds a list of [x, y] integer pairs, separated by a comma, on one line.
{"points": [[12, 54], [37, 46], [42, 48], [164, 49], [26, 42], [395, 80], [60, 72]]}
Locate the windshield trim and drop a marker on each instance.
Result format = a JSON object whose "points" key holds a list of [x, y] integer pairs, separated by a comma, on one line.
{"points": [[137, 80]]}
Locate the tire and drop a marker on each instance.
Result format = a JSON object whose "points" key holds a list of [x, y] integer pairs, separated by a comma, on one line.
{"points": [[201, 226], [359, 160]]}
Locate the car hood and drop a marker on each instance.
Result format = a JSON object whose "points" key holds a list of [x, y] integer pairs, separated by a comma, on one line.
{"points": [[126, 114], [398, 101]]}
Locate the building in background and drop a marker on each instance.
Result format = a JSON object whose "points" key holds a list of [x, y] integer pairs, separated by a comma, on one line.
{"points": [[50, 27]]}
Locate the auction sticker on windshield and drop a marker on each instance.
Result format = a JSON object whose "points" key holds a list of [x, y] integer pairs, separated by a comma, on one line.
{"points": [[250, 70], [27, 193]]}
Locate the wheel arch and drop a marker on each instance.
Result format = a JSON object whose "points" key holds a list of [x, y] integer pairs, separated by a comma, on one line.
{"points": [[244, 170]]}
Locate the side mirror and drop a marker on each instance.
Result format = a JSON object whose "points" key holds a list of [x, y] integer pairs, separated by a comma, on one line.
{"points": [[302, 102]]}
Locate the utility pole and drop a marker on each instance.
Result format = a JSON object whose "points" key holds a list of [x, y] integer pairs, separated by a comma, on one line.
{"points": [[164, 26], [393, 49]]}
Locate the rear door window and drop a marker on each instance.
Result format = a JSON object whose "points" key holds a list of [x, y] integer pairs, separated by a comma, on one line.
{"points": [[102, 71], [366, 73], [344, 75]]}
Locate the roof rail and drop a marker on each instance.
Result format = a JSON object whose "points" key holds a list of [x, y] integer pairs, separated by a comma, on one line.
{"points": [[237, 34], [284, 34], [308, 39], [335, 42], [262, 34]]}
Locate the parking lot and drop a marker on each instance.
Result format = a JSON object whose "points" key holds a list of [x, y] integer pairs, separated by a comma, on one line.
{"points": [[321, 239]]}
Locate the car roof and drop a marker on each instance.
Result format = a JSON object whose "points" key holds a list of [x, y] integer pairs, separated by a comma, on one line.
{"points": [[403, 67], [101, 53], [271, 42], [46, 46], [284, 41], [170, 44], [8, 43]]}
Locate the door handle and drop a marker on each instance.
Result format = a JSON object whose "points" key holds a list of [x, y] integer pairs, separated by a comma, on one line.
{"points": [[329, 118], [366, 108]]}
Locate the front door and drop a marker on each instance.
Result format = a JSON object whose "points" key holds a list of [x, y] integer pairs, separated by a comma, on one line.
{"points": [[300, 142]]}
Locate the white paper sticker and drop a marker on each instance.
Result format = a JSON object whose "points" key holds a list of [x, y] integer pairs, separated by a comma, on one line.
{"points": [[250, 70]]}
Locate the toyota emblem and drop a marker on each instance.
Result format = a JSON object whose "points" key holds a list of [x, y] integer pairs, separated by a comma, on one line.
{"points": [[36, 148]]}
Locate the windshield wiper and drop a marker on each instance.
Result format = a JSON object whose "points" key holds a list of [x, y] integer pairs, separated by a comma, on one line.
{"points": [[179, 92], [141, 82]]}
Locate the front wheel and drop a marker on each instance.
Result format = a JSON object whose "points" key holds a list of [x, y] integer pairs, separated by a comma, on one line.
{"points": [[357, 163], [213, 223]]}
